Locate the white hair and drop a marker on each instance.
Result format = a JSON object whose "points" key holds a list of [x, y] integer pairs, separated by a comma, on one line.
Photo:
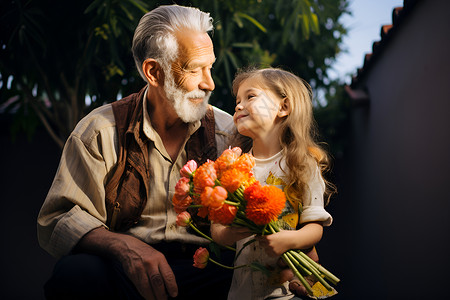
{"points": [[154, 36]]}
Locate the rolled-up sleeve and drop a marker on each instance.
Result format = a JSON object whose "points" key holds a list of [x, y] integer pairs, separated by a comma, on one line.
{"points": [[313, 205], [75, 202]]}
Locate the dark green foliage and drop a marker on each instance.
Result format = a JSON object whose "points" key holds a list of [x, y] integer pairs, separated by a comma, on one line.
{"points": [[61, 59]]}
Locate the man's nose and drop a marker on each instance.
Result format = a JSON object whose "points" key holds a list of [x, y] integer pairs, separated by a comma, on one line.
{"points": [[207, 82]]}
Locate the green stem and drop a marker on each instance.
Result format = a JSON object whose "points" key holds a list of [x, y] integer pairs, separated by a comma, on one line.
{"points": [[200, 233], [231, 203], [300, 264], [297, 273], [195, 206], [321, 269], [208, 237], [226, 267], [316, 274]]}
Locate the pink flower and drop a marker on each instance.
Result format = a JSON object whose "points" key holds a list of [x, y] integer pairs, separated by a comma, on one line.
{"points": [[188, 168], [182, 188], [183, 219], [237, 151], [201, 258]]}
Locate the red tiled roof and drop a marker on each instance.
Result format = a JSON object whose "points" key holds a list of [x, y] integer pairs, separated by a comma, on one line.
{"points": [[387, 33]]}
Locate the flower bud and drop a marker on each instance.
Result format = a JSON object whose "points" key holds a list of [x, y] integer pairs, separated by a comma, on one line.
{"points": [[188, 169], [183, 219], [201, 258], [237, 151], [182, 188]]}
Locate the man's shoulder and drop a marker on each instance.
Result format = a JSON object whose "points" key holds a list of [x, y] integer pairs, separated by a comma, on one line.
{"points": [[223, 120], [99, 119]]}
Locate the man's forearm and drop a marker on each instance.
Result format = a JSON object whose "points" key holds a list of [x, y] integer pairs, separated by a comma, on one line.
{"points": [[102, 242]]}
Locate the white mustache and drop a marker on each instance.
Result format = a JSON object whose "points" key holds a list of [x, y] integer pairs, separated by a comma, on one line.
{"points": [[197, 94]]}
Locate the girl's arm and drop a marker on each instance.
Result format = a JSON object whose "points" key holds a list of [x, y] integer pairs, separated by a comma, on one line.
{"points": [[228, 235], [303, 238]]}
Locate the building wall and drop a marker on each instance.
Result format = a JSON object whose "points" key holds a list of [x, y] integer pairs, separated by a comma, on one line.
{"points": [[398, 168]]}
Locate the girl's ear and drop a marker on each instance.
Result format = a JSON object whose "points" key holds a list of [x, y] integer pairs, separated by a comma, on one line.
{"points": [[285, 108], [152, 71]]}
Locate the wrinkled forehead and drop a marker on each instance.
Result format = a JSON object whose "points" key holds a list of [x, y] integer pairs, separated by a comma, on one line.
{"points": [[195, 47]]}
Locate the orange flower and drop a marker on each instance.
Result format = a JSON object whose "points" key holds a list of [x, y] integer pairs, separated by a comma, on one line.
{"points": [[225, 161], [213, 197], [233, 178], [224, 215], [244, 163], [204, 176], [264, 203], [180, 204]]}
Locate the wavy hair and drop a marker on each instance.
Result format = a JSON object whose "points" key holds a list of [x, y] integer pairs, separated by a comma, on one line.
{"points": [[154, 36], [298, 129]]}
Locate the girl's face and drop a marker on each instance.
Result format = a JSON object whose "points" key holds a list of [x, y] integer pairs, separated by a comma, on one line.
{"points": [[258, 111]]}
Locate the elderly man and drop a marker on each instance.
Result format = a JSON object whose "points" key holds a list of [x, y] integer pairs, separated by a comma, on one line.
{"points": [[108, 214]]}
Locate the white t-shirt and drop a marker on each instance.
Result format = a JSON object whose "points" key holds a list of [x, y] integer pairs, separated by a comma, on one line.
{"points": [[252, 284]]}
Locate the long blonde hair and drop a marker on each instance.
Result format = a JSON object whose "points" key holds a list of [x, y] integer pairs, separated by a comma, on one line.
{"points": [[298, 129]]}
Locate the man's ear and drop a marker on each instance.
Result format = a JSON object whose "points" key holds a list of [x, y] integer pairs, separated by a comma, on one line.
{"points": [[152, 71], [285, 108]]}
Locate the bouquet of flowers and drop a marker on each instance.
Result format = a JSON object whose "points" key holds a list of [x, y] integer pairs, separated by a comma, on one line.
{"points": [[226, 192]]}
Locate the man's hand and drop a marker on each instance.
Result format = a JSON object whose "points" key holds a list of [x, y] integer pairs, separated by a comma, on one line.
{"points": [[145, 267], [148, 270]]}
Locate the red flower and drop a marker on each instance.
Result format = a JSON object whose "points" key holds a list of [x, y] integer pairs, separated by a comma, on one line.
{"points": [[264, 203], [188, 169], [203, 212], [224, 215], [201, 258], [183, 219]]}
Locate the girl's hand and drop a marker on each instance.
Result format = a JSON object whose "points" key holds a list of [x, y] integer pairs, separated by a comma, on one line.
{"points": [[303, 238], [277, 243], [228, 235]]}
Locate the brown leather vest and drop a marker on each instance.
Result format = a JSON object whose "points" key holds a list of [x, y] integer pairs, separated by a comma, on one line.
{"points": [[128, 189]]}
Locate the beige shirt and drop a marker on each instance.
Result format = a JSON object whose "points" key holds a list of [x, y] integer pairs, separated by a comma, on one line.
{"points": [[75, 203]]}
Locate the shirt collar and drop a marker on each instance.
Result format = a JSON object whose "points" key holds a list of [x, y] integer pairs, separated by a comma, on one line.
{"points": [[151, 133]]}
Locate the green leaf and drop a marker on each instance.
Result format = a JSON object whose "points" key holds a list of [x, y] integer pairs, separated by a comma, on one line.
{"points": [[253, 20], [242, 45], [215, 248], [93, 5], [259, 267], [142, 6]]}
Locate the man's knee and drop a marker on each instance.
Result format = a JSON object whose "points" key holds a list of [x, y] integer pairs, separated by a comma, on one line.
{"points": [[82, 276]]}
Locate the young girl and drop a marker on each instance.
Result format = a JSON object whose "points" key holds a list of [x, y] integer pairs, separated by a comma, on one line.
{"points": [[274, 109]]}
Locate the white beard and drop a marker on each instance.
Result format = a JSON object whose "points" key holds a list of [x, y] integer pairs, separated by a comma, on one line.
{"points": [[185, 109]]}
